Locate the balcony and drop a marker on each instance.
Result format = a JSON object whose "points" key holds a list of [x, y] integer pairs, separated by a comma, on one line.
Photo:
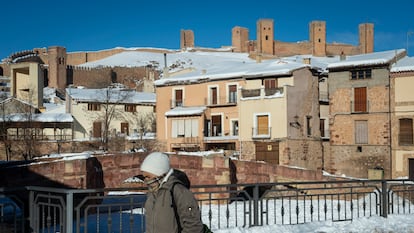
{"points": [[176, 103], [262, 92], [220, 101], [360, 106]]}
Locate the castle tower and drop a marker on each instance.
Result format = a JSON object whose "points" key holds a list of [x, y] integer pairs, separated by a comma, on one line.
{"points": [[317, 37], [366, 38], [186, 39], [265, 36], [240, 39], [57, 67]]}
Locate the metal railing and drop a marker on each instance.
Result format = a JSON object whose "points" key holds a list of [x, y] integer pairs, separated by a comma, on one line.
{"points": [[222, 206]]}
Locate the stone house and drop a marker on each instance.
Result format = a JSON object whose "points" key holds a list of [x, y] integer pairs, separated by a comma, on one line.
{"points": [[360, 114]]}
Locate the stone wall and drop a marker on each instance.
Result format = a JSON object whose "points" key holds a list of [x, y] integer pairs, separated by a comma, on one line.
{"points": [[111, 170]]}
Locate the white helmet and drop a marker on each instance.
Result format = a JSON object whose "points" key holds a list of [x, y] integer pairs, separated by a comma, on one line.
{"points": [[156, 163]]}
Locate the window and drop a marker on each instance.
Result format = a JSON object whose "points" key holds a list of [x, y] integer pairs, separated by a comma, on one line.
{"points": [[270, 86], [178, 98], [308, 126], [322, 127], [360, 99], [94, 107], [406, 131], [232, 93], [213, 95], [361, 132], [125, 128], [361, 74], [262, 125], [184, 128], [130, 108], [216, 125], [235, 128]]}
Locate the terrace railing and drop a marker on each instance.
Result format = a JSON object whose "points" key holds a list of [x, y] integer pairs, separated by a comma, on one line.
{"points": [[44, 209]]}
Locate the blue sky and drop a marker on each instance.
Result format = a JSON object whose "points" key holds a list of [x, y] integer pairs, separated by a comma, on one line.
{"points": [[95, 25]]}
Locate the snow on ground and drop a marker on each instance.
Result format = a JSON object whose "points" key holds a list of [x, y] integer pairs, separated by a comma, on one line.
{"points": [[375, 224]]}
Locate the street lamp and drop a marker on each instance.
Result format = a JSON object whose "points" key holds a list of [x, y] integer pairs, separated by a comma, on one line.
{"points": [[409, 33]]}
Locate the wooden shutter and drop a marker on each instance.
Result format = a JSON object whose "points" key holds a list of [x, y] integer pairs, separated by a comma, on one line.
{"points": [[178, 97], [97, 129], [406, 132], [322, 127], [270, 83], [214, 95], [360, 99], [263, 125], [361, 132]]}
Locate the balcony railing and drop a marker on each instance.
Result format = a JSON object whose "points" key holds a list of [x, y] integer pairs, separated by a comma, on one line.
{"points": [[220, 101], [246, 93], [360, 106], [177, 103]]}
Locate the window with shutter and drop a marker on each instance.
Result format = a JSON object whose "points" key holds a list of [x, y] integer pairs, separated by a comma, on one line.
{"points": [[263, 125], [361, 132], [232, 93], [406, 132], [360, 99], [178, 98]]}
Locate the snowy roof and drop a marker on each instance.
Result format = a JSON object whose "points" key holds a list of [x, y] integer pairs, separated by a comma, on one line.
{"points": [[368, 59], [40, 117], [405, 64], [115, 95], [185, 111], [220, 70]]}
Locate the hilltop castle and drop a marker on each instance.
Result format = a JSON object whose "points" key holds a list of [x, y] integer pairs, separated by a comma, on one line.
{"points": [[266, 45], [60, 68]]}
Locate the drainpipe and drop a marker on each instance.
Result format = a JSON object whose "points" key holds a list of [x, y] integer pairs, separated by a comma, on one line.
{"points": [[389, 120]]}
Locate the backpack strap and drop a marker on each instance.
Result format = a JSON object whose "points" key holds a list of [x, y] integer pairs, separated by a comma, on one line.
{"points": [[174, 206]]}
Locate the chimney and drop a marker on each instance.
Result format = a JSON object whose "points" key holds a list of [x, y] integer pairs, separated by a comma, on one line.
{"points": [[165, 71], [259, 58], [306, 60], [342, 57]]}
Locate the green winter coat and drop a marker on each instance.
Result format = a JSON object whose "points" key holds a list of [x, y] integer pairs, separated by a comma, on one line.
{"points": [[159, 213]]}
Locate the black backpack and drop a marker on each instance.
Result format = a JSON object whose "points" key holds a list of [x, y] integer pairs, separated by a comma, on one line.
{"points": [[182, 176]]}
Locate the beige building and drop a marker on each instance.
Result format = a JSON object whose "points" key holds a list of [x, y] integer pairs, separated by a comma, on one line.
{"points": [[26, 83], [360, 114], [402, 108], [127, 112], [259, 111], [279, 120]]}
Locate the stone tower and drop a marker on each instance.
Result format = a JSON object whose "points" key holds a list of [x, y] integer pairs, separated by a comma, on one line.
{"points": [[366, 37], [186, 39], [317, 37], [57, 67], [265, 36], [240, 39]]}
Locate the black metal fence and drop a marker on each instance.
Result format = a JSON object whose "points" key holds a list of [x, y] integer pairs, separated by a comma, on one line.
{"points": [[43, 209]]}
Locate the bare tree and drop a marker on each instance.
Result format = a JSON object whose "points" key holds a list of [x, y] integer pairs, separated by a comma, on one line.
{"points": [[110, 100], [145, 121]]}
